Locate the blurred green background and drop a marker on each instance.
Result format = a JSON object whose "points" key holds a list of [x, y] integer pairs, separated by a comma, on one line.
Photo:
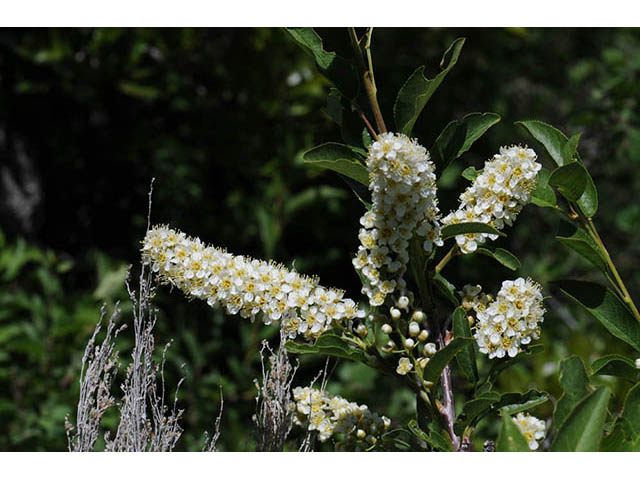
{"points": [[219, 117]]}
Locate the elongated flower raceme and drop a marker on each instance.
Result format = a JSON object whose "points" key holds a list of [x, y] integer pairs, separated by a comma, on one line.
{"points": [[404, 203], [245, 285], [497, 195], [510, 321], [331, 415], [532, 429]]}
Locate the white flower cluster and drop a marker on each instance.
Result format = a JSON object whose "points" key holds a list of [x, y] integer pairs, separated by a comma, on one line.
{"points": [[404, 203], [244, 285], [329, 415], [508, 322], [532, 429], [497, 195]]}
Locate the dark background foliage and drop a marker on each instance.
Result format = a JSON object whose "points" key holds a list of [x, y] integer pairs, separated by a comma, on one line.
{"points": [[219, 117]]}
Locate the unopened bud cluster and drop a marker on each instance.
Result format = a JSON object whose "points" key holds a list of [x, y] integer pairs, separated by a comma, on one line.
{"points": [[497, 195], [532, 429], [331, 415], [245, 285], [511, 320], [404, 203]]}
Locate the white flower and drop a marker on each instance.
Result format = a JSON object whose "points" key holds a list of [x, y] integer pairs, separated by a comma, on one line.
{"points": [[328, 415], [510, 321], [497, 195], [404, 203], [532, 429], [404, 366], [244, 285]]}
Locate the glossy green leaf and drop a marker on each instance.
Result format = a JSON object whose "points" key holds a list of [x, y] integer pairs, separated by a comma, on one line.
{"points": [[458, 136], [442, 358], [581, 243], [502, 256], [605, 305], [563, 151], [339, 158], [617, 366], [571, 147], [510, 439], [470, 227], [446, 289], [575, 385], [418, 89], [516, 402], [588, 202], [341, 72], [328, 344], [631, 411], [570, 180], [583, 429], [470, 173], [466, 357], [551, 138], [433, 439], [543, 195]]}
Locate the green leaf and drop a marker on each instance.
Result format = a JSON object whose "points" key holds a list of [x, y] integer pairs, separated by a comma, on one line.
{"points": [[631, 412], [417, 90], [563, 150], [570, 180], [580, 242], [543, 195], [476, 408], [466, 357], [583, 429], [605, 305], [339, 158], [510, 439], [517, 402], [434, 439], [446, 289], [341, 72], [458, 136], [328, 344], [575, 385], [442, 358], [588, 202], [510, 403], [617, 366], [551, 138], [502, 256], [571, 147], [469, 227], [470, 173]]}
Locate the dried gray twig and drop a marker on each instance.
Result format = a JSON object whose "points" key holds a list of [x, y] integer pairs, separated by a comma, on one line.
{"points": [[274, 407]]}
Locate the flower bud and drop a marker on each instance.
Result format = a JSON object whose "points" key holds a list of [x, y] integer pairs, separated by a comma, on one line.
{"points": [[422, 361], [418, 316], [409, 343], [414, 329], [426, 384], [423, 335], [386, 328], [362, 330], [403, 302], [361, 434], [637, 362], [430, 349], [395, 313]]}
